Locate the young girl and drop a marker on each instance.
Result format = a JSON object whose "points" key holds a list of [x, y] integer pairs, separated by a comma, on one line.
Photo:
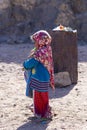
{"points": [[41, 73]]}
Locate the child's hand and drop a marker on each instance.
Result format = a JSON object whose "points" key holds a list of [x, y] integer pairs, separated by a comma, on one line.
{"points": [[32, 52], [53, 86]]}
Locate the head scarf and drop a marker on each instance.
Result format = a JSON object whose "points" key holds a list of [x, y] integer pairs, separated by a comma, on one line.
{"points": [[44, 52]]}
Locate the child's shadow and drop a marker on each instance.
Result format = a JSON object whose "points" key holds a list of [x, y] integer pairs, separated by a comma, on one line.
{"points": [[34, 124], [60, 91]]}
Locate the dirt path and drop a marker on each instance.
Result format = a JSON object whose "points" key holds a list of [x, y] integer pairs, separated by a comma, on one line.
{"points": [[69, 104]]}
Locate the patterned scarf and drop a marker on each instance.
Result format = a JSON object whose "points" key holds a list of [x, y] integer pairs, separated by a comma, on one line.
{"points": [[44, 52]]}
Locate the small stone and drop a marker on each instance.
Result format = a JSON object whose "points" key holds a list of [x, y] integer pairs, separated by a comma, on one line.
{"points": [[1, 115], [55, 114], [76, 89], [62, 79], [14, 105]]}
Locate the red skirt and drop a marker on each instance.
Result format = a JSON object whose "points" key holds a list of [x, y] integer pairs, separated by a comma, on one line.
{"points": [[41, 104]]}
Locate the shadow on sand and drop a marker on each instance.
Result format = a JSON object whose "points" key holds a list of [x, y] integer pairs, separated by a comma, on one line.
{"points": [[60, 91], [34, 124]]}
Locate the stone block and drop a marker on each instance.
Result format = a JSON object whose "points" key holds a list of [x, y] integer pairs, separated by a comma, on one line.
{"points": [[62, 79]]}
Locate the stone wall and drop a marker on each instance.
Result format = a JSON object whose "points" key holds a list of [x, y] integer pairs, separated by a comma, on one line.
{"points": [[22, 17]]}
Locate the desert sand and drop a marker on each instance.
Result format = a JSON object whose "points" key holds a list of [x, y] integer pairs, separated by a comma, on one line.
{"points": [[69, 103]]}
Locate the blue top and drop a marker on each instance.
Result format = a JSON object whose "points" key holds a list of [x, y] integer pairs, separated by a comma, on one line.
{"points": [[38, 75]]}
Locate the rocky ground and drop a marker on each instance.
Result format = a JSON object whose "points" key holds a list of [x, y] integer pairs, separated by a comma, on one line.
{"points": [[69, 104]]}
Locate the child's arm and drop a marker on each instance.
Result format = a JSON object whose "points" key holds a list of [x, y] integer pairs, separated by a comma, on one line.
{"points": [[32, 52], [30, 63]]}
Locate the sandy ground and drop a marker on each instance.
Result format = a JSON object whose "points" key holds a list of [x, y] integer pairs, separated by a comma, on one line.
{"points": [[69, 104]]}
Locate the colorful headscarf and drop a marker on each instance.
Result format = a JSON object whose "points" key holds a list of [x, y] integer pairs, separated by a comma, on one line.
{"points": [[44, 52]]}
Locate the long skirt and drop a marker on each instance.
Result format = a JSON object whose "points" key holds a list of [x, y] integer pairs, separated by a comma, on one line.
{"points": [[41, 104]]}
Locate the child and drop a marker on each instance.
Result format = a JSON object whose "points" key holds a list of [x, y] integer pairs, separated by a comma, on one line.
{"points": [[41, 73]]}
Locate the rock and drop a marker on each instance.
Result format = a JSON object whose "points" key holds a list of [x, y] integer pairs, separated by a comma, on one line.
{"points": [[62, 79], [1, 115], [79, 6], [32, 15], [14, 105], [84, 31], [4, 13], [65, 15], [81, 23], [3, 38], [14, 39]]}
